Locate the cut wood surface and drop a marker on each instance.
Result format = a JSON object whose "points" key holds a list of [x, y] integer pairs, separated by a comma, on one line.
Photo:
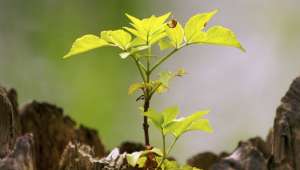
{"points": [[39, 136]]}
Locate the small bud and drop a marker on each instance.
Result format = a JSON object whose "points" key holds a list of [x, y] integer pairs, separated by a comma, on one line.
{"points": [[172, 23], [181, 72]]}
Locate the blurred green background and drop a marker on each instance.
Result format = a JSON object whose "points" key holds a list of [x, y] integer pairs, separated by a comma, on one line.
{"points": [[243, 90]]}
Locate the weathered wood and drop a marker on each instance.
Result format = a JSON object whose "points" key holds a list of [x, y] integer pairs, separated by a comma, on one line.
{"points": [[7, 123], [205, 160], [51, 131], [250, 155], [81, 157], [22, 157], [286, 136]]}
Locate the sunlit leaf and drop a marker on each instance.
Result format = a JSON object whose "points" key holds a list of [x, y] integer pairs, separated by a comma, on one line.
{"points": [[132, 51], [137, 42], [171, 165], [188, 167], [119, 38], [142, 37], [165, 44], [157, 37], [155, 117], [180, 126], [201, 125], [150, 30], [162, 89], [195, 25], [134, 87], [165, 77], [218, 35], [169, 114], [86, 43], [133, 158]]}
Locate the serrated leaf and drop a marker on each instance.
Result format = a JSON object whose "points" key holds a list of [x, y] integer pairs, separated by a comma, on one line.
{"points": [[219, 35], [175, 35], [195, 25], [84, 44], [134, 87]]}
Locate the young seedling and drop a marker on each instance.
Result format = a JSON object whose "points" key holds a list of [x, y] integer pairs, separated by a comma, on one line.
{"points": [[137, 42]]}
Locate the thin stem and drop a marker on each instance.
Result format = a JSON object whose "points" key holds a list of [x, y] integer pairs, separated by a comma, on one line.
{"points": [[142, 66], [171, 146], [167, 153], [164, 142], [138, 64], [163, 59]]}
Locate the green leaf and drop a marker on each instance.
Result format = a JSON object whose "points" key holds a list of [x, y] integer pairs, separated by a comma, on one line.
{"points": [[84, 44], [120, 38], [170, 114], [155, 117], [150, 30], [132, 51], [171, 165], [188, 167], [195, 25], [134, 87], [218, 35], [165, 77], [165, 44], [139, 34], [133, 158], [137, 23], [138, 158], [175, 35], [156, 37], [201, 125], [180, 72], [180, 126]]}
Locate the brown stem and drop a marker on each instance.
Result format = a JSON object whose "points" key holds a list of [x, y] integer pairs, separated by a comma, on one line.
{"points": [[145, 124]]}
